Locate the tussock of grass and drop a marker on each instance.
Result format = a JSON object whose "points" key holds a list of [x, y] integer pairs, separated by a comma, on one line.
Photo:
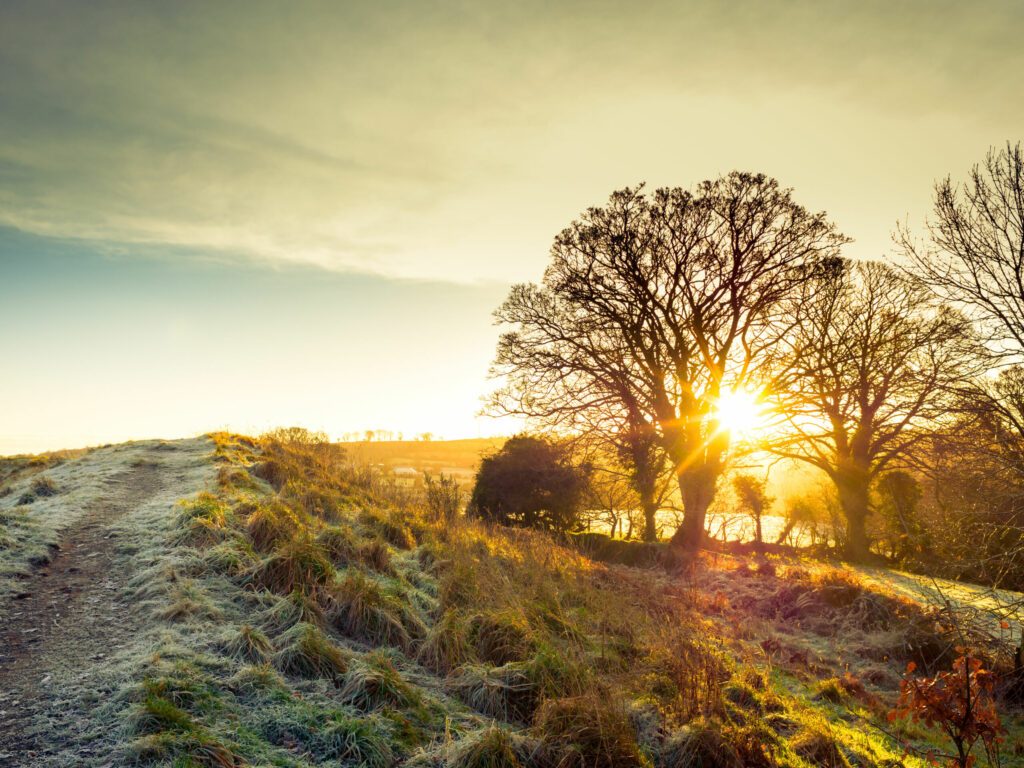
{"points": [[250, 645], [44, 487], [513, 691], [256, 680], [339, 542], [376, 556], [818, 747], [286, 612], [360, 607], [296, 565], [491, 747], [203, 520], [156, 714], [507, 693], [374, 683], [501, 637], [305, 651], [588, 732], [700, 746], [447, 644], [189, 602], [354, 741], [317, 501], [270, 525], [196, 749], [391, 526], [232, 556]]}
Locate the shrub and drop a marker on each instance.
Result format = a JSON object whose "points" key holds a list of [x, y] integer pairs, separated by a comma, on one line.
{"points": [[531, 483], [304, 651], [587, 732], [959, 701], [443, 497]]}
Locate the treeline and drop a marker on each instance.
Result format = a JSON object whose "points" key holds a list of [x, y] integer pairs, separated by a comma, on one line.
{"points": [[899, 379]]}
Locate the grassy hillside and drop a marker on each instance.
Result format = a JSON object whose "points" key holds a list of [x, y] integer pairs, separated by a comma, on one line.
{"points": [[319, 624], [297, 613]]}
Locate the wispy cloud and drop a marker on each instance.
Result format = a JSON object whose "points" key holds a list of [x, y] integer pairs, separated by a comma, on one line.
{"points": [[451, 140]]}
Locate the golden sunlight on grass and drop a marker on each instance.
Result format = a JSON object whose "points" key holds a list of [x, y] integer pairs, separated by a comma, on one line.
{"points": [[741, 412]]}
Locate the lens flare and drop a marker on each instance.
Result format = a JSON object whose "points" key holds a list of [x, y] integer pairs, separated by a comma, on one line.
{"points": [[739, 412]]}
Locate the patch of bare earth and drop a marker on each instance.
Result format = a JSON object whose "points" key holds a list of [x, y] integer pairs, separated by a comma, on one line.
{"points": [[68, 617]]}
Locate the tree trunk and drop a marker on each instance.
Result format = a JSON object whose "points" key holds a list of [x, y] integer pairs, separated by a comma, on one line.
{"points": [[697, 487], [758, 536], [650, 520], [787, 529], [853, 483]]}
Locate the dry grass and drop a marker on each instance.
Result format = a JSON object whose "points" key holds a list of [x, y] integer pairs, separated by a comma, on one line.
{"points": [[305, 651], [361, 607], [580, 663], [590, 731]]}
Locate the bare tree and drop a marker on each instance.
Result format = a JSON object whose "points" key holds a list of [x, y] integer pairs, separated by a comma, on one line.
{"points": [[651, 308], [873, 363], [975, 257]]}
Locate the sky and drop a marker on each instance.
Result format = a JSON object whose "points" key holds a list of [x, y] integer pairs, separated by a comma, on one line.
{"points": [[245, 214]]}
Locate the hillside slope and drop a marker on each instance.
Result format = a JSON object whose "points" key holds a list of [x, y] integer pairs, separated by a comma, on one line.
{"points": [[294, 610]]}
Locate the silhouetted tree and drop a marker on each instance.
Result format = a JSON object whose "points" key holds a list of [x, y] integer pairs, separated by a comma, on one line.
{"points": [[975, 257], [530, 483], [873, 363], [653, 306], [751, 493]]}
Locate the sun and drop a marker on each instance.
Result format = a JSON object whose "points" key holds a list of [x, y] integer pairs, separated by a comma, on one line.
{"points": [[739, 412]]}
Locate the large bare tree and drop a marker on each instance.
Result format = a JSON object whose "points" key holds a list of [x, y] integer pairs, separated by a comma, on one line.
{"points": [[974, 256], [651, 307], [873, 362]]}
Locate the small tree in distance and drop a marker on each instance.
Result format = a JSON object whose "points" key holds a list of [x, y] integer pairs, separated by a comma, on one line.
{"points": [[531, 483], [753, 499]]}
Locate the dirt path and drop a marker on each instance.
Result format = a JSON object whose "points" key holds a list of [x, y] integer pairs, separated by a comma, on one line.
{"points": [[68, 618]]}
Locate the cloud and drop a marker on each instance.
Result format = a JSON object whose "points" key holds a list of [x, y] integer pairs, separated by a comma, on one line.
{"points": [[451, 140]]}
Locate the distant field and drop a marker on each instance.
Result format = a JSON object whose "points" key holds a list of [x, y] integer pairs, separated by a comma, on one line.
{"points": [[431, 455]]}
